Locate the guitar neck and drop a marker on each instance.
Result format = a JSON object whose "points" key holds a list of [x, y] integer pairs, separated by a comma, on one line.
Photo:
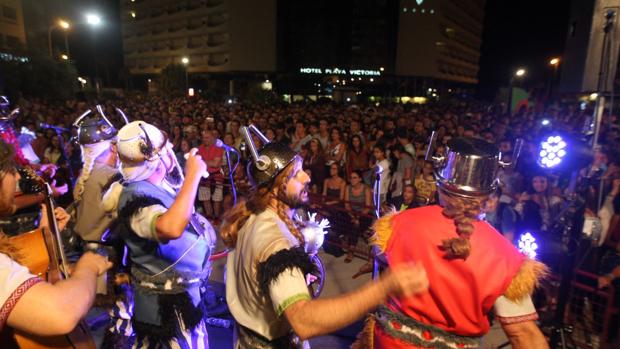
{"points": [[53, 225]]}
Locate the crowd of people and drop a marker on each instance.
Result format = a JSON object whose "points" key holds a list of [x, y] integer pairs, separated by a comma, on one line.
{"points": [[342, 148], [341, 143]]}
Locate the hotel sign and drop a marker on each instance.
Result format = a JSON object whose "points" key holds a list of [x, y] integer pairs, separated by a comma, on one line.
{"points": [[338, 71]]}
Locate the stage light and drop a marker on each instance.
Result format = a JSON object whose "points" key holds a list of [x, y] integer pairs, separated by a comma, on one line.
{"points": [[527, 245], [552, 151], [545, 122]]}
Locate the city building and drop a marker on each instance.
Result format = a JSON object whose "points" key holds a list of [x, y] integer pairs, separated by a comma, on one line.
{"points": [[209, 36], [440, 39], [12, 32]]}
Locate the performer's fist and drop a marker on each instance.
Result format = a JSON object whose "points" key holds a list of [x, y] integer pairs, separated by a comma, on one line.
{"points": [[405, 279], [93, 262], [195, 165]]}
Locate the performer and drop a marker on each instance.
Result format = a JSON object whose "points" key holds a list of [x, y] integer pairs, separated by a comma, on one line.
{"points": [[24, 198], [27, 303], [266, 287], [97, 139], [169, 246], [471, 267]]}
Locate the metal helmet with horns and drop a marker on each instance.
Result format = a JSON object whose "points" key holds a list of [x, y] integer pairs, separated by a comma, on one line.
{"points": [[94, 126], [268, 162]]}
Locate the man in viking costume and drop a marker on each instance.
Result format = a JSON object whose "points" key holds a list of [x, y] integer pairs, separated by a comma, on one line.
{"points": [[266, 288], [97, 139], [472, 269], [169, 245]]}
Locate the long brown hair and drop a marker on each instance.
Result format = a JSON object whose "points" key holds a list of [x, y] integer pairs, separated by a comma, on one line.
{"points": [[258, 201], [463, 211]]}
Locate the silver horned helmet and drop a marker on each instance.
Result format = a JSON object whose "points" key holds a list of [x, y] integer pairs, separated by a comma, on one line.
{"points": [[93, 126], [268, 162], [469, 166]]}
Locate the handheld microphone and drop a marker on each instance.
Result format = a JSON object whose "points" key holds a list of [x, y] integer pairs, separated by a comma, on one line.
{"points": [[57, 128], [193, 151]]}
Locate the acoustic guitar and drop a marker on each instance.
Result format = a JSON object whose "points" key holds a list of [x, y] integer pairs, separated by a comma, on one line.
{"points": [[43, 254]]}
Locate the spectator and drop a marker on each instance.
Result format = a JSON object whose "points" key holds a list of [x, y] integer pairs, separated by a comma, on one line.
{"points": [[211, 190], [300, 137], [386, 176], [357, 156], [404, 171], [336, 151], [358, 203], [314, 162], [334, 186], [501, 215], [426, 188]]}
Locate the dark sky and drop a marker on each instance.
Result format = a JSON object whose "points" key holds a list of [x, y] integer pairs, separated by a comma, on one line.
{"points": [[521, 33], [517, 33]]}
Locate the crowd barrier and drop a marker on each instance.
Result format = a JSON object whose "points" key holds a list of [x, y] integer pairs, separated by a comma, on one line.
{"points": [[591, 314]]}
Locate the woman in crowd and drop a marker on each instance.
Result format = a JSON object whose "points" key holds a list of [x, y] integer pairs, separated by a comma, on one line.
{"points": [[314, 161], [334, 186], [357, 156], [336, 150], [358, 203]]}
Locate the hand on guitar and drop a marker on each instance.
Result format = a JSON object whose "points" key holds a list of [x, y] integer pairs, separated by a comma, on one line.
{"points": [[62, 217], [93, 262]]}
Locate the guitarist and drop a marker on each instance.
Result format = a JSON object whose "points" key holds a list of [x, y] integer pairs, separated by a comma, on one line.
{"points": [[27, 303]]}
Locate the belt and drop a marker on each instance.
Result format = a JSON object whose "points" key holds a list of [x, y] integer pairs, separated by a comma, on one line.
{"points": [[399, 326]]}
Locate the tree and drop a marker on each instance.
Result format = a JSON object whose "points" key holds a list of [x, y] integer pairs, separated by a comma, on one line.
{"points": [[172, 79], [38, 76]]}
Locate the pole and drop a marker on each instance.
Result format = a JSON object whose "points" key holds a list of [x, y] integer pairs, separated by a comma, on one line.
{"points": [[49, 40], [67, 44], [598, 116]]}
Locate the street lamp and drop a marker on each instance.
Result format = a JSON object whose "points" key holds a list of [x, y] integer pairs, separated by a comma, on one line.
{"points": [[185, 61], [554, 62], [93, 19], [62, 24], [64, 57], [519, 73]]}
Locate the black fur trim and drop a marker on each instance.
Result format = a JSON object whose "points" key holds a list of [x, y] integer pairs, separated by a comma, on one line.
{"points": [[269, 270], [169, 304], [117, 341], [137, 203]]}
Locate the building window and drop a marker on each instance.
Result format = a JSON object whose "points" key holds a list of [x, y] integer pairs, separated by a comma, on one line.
{"points": [[9, 12]]}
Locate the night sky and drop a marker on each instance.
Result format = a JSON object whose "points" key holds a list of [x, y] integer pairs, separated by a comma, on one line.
{"points": [[517, 33], [521, 33]]}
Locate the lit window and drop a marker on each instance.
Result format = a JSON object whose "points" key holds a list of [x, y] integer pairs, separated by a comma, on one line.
{"points": [[431, 11], [413, 10], [404, 9], [422, 10]]}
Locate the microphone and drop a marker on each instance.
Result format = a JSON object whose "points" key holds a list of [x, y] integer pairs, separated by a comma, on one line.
{"points": [[221, 144], [193, 151], [377, 169], [56, 128]]}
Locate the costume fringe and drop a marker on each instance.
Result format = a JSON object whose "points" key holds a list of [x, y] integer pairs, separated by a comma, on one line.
{"points": [[132, 207], [117, 341], [269, 270], [383, 231], [526, 280], [366, 338], [169, 305]]}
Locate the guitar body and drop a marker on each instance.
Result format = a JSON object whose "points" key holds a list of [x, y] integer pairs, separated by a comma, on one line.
{"points": [[36, 249]]}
